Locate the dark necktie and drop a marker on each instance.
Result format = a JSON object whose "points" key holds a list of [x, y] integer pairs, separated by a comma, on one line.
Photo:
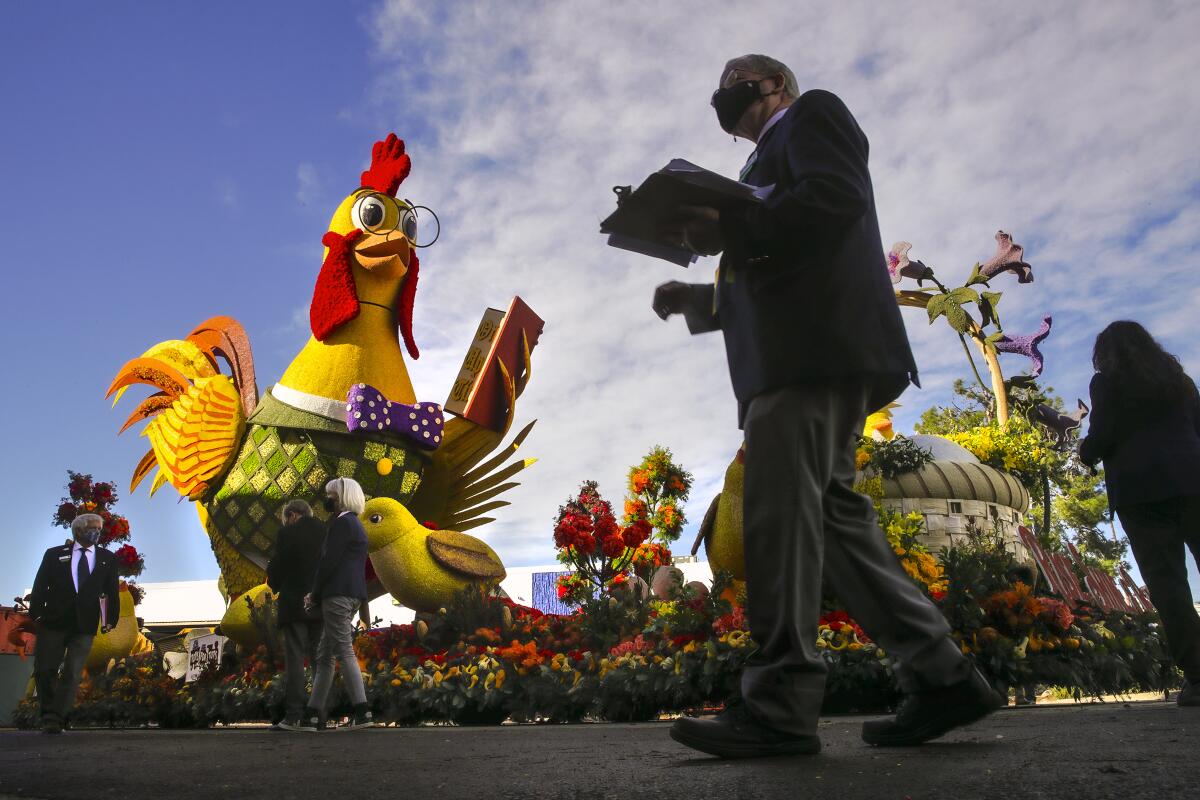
{"points": [[82, 571]]}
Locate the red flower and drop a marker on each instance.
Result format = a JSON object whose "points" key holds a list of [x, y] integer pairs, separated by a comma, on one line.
{"points": [[637, 533], [613, 546], [562, 592], [128, 555], [67, 512]]}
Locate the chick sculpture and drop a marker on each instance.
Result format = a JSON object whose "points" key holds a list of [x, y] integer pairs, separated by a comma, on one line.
{"points": [[721, 528], [123, 640], [421, 567], [344, 407]]}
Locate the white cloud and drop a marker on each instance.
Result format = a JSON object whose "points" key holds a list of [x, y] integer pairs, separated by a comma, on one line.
{"points": [[1069, 125], [308, 184]]}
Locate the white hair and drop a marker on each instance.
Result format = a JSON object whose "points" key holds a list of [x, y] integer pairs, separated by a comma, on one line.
{"points": [[83, 520], [348, 493], [767, 66]]}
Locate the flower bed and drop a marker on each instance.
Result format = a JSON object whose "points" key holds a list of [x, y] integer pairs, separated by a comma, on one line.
{"points": [[624, 658]]}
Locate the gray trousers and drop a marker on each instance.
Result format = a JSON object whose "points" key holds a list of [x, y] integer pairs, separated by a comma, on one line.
{"points": [[299, 644], [804, 524], [337, 644], [58, 660]]}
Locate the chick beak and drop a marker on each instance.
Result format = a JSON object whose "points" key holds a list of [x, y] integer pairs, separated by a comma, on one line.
{"points": [[382, 245]]}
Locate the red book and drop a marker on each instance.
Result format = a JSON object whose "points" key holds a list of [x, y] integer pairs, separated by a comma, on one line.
{"points": [[502, 337]]}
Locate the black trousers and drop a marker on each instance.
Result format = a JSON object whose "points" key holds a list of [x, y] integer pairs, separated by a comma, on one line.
{"points": [[805, 524], [59, 656], [1160, 535]]}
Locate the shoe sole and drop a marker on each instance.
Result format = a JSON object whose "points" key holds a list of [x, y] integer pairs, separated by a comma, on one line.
{"points": [[354, 727], [931, 731], [726, 750]]}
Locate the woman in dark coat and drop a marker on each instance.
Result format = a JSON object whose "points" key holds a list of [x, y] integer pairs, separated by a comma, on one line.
{"points": [[1145, 427]]}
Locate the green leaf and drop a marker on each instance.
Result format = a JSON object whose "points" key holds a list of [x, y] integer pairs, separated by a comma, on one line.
{"points": [[964, 295], [937, 306], [976, 278], [994, 337], [958, 318], [987, 307]]}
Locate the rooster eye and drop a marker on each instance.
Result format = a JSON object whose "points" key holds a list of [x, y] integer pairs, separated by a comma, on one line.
{"points": [[376, 518], [408, 222], [370, 213]]}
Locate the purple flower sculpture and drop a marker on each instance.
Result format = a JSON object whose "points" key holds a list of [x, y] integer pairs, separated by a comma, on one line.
{"points": [[899, 266], [1027, 345], [1009, 258]]}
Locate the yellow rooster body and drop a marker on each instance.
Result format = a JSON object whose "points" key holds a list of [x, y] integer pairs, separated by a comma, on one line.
{"points": [[240, 457]]}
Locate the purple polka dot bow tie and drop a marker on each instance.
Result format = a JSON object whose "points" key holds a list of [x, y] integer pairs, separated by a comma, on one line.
{"points": [[368, 411]]}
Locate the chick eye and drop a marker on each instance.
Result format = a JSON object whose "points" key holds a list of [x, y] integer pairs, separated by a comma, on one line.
{"points": [[370, 213], [376, 518]]}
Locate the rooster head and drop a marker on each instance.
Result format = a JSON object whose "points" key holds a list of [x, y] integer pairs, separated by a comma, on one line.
{"points": [[370, 254]]}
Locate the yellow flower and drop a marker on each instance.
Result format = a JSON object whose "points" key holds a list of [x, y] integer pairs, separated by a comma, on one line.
{"points": [[499, 679]]}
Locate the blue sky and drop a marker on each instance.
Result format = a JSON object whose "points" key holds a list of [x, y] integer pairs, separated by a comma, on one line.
{"points": [[162, 163]]}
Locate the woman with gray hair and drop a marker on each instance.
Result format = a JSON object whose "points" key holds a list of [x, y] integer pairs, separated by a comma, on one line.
{"points": [[340, 590]]}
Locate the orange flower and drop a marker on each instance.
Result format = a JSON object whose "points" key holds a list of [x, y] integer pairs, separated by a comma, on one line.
{"points": [[638, 481]]}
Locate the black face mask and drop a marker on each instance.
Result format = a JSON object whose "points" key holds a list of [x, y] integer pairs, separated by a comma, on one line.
{"points": [[329, 504], [732, 101]]}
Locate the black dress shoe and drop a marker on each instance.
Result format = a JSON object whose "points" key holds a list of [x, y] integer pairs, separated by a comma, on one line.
{"points": [[735, 734], [51, 725], [929, 714]]}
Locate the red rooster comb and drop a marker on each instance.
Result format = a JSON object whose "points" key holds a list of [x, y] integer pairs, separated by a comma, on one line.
{"points": [[389, 166]]}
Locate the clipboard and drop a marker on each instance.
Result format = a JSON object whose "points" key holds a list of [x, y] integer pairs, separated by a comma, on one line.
{"points": [[641, 213]]}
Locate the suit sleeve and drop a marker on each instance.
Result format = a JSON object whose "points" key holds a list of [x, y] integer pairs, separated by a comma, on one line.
{"points": [[37, 598], [1098, 441], [331, 555], [112, 589], [831, 187], [699, 314]]}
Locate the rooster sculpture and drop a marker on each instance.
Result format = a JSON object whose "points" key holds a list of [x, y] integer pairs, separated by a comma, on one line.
{"points": [[345, 405]]}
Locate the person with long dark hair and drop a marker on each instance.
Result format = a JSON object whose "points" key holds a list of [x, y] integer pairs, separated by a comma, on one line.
{"points": [[1145, 427]]}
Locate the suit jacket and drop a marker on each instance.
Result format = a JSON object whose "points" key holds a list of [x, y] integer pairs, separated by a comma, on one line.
{"points": [[342, 570], [803, 292], [54, 601], [1150, 447], [293, 566]]}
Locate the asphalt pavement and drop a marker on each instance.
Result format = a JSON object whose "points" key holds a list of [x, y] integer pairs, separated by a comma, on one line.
{"points": [[1123, 750]]}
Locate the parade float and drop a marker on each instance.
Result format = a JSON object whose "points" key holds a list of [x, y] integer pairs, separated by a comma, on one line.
{"points": [[639, 641]]}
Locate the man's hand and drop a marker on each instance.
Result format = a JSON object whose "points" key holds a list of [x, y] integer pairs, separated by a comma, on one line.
{"points": [[697, 228], [106, 628], [671, 297], [309, 605]]}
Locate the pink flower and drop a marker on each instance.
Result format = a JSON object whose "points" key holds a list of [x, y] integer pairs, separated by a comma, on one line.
{"points": [[1009, 258], [899, 266]]}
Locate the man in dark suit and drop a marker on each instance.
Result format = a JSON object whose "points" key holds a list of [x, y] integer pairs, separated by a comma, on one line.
{"points": [[815, 342], [290, 574], [75, 583]]}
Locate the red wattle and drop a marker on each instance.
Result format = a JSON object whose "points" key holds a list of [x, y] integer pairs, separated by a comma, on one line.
{"points": [[335, 298], [404, 312]]}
